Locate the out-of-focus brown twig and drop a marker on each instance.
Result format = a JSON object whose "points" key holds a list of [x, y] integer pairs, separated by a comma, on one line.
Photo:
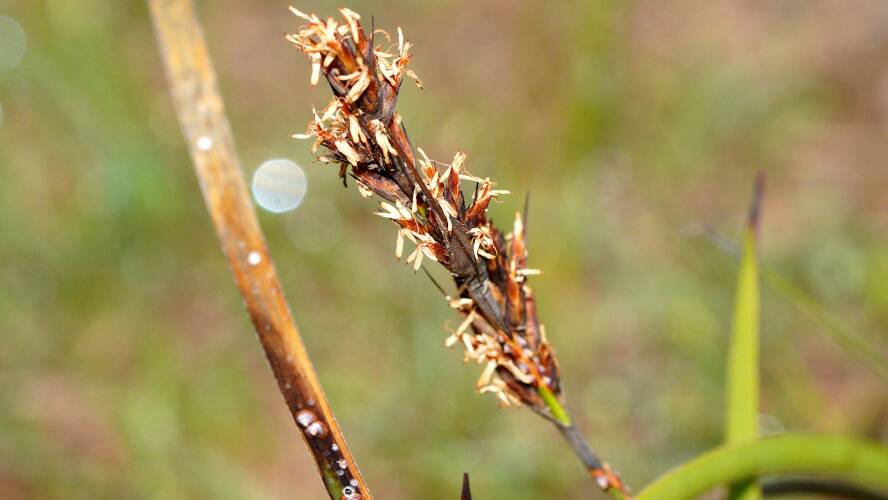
{"points": [[207, 132]]}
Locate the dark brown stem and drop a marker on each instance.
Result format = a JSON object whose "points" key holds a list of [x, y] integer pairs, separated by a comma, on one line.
{"points": [[818, 486], [606, 478], [201, 114], [579, 446]]}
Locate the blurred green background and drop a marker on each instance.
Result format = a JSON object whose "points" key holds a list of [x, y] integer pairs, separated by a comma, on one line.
{"points": [[128, 367]]}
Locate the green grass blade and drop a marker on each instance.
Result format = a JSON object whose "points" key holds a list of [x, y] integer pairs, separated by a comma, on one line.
{"points": [[787, 454], [742, 389], [851, 341], [742, 377]]}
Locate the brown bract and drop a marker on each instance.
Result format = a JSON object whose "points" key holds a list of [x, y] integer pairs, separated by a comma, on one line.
{"points": [[361, 132]]}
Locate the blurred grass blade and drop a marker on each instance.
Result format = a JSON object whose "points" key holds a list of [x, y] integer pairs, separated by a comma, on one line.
{"points": [[851, 341], [742, 390], [832, 456]]}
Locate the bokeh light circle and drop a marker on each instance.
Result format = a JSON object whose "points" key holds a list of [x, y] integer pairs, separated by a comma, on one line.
{"points": [[279, 185], [12, 43]]}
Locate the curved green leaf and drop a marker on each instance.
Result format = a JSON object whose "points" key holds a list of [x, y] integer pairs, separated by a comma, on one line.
{"points": [[789, 453]]}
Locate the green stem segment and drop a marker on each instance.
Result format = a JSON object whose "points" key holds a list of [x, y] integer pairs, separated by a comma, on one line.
{"points": [[572, 435], [558, 411], [789, 453]]}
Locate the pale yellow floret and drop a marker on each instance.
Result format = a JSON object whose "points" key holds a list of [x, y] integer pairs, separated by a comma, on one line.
{"points": [[348, 151], [399, 245]]}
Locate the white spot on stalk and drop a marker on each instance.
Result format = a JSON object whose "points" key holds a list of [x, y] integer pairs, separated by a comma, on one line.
{"points": [[204, 143], [254, 258]]}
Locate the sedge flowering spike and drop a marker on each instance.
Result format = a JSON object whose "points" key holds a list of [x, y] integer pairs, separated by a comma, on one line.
{"points": [[361, 132]]}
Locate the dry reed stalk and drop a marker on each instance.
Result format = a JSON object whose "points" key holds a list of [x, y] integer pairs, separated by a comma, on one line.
{"points": [[363, 134], [207, 132]]}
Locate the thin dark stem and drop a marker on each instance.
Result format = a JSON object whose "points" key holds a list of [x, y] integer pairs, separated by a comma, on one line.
{"points": [[827, 487], [578, 443], [608, 480]]}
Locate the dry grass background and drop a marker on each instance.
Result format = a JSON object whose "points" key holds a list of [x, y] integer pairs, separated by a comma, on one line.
{"points": [[129, 368]]}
